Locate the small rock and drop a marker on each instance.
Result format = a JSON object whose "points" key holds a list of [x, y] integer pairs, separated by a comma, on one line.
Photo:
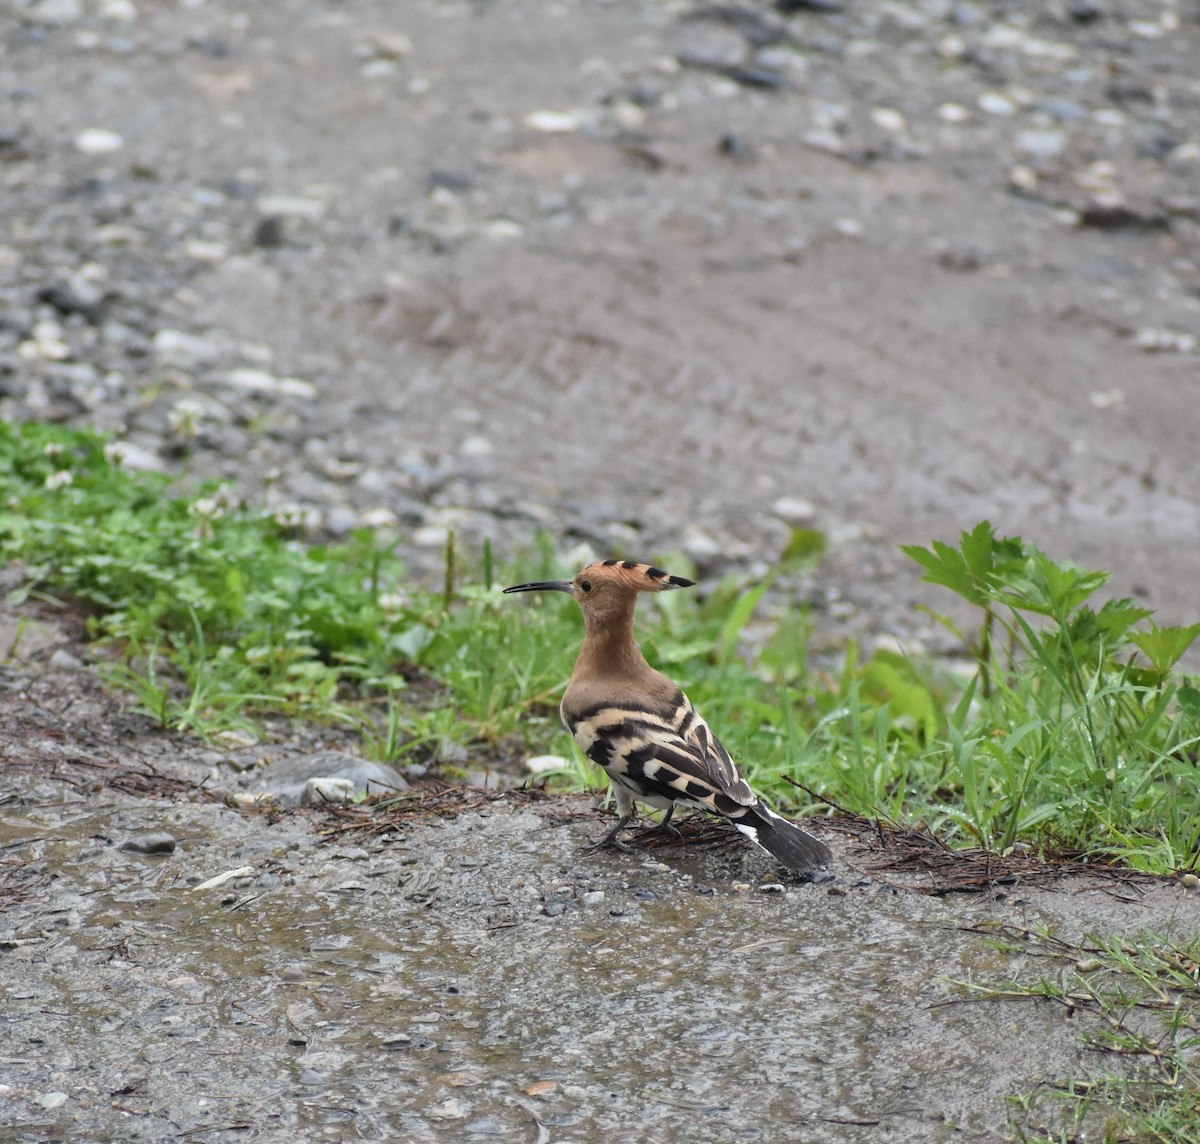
{"points": [[260, 381], [286, 778], [554, 907], [50, 1100], [554, 122], [592, 898], [159, 842], [63, 660], [996, 103], [324, 791], [1189, 881], [127, 455], [544, 764], [175, 347], [292, 206], [1043, 144], [98, 141], [390, 45], [1155, 340], [52, 11], [794, 510], [888, 119]]}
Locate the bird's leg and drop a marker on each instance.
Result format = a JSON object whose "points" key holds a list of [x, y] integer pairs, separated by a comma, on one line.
{"points": [[610, 839], [624, 802], [663, 826]]}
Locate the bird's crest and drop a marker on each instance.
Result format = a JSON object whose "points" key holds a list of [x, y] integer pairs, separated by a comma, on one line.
{"points": [[631, 574]]}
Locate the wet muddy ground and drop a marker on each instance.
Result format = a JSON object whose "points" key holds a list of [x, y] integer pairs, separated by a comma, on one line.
{"points": [[476, 971], [650, 276]]}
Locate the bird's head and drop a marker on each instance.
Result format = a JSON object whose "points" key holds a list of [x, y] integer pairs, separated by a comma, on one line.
{"points": [[609, 586]]}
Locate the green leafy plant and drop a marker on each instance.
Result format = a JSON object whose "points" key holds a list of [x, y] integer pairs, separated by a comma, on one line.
{"points": [[1075, 729]]}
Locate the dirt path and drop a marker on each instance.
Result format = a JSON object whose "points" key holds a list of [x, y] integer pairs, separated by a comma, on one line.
{"points": [[908, 268]]}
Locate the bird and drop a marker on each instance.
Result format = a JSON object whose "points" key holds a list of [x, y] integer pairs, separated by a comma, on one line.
{"points": [[639, 726]]}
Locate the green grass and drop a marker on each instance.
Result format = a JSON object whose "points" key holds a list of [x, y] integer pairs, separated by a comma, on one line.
{"points": [[1138, 1002], [1072, 729]]}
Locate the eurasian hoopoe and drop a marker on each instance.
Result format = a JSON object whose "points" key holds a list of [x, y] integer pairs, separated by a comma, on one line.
{"points": [[641, 728]]}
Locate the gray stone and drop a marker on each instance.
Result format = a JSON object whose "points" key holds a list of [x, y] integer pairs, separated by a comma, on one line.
{"points": [[287, 778], [158, 842]]}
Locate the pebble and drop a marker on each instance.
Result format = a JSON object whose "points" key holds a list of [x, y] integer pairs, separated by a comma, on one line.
{"points": [[327, 791], [1043, 144], [544, 764], [1189, 881], [554, 122], [63, 660], [159, 842], [49, 1100], [996, 103], [251, 380], [98, 141], [52, 11], [287, 778], [888, 119], [794, 510], [175, 347]]}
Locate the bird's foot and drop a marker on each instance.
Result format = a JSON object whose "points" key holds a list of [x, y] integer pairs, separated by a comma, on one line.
{"points": [[661, 828], [610, 841]]}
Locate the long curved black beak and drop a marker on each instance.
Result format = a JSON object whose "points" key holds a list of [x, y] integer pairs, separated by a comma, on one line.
{"points": [[544, 586]]}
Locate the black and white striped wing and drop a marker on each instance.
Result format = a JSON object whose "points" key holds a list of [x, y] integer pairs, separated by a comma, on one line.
{"points": [[662, 758]]}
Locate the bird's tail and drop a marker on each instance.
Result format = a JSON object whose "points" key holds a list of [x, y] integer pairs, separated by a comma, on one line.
{"points": [[790, 846]]}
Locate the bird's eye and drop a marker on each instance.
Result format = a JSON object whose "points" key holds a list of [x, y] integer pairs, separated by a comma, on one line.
{"points": [[585, 585]]}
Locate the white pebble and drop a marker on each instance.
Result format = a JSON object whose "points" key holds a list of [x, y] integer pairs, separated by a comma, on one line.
{"points": [[1044, 144], [123, 10], [326, 792], [795, 510], [1156, 340], [98, 141], [554, 122], [543, 764], [629, 116], [260, 381], [476, 447], [888, 119], [291, 206], [953, 113], [1023, 178], [501, 228], [203, 251], [52, 1099], [996, 103], [391, 45]]}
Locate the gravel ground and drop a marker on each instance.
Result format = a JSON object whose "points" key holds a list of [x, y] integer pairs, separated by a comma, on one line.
{"points": [[649, 276]]}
